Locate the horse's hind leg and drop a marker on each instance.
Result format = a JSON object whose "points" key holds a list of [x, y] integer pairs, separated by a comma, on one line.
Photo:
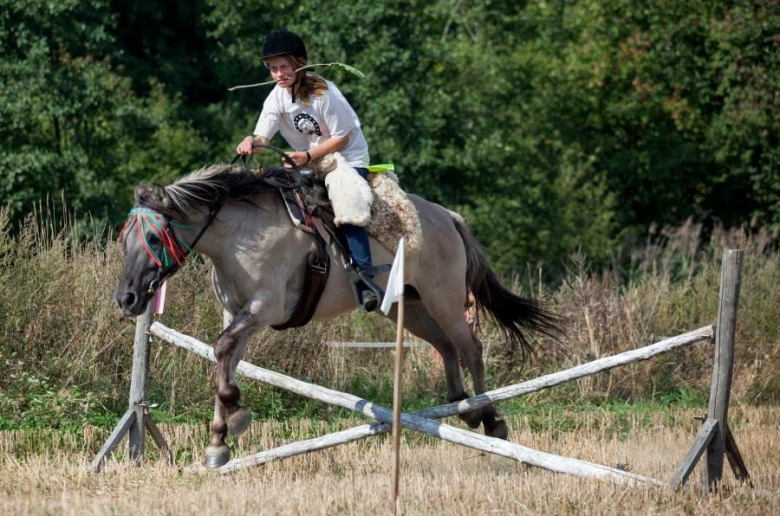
{"points": [[421, 324], [494, 426], [449, 316]]}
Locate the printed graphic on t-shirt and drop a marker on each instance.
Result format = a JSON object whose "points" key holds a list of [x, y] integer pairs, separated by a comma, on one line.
{"points": [[307, 125]]}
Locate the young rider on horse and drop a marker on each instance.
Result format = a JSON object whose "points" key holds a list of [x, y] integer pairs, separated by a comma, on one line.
{"points": [[315, 119]]}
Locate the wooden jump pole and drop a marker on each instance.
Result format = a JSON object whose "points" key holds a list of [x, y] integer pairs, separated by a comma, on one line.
{"points": [[136, 421], [715, 437], [450, 409], [528, 387], [446, 432]]}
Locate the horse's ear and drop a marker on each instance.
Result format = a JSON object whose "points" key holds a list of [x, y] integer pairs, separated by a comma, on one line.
{"points": [[152, 196]]}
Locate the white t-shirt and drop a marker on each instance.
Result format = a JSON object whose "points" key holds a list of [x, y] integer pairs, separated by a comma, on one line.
{"points": [[305, 127]]}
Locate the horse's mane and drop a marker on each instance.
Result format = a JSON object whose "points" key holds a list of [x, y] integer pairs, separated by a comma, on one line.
{"points": [[215, 185]]}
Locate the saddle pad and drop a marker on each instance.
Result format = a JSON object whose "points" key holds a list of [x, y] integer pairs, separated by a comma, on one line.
{"points": [[393, 215]]}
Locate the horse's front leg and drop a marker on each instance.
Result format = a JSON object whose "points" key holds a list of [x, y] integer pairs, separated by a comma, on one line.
{"points": [[230, 417], [218, 452]]}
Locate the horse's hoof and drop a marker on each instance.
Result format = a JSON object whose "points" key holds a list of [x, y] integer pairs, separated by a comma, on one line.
{"points": [[238, 421], [216, 456], [473, 418], [497, 428]]}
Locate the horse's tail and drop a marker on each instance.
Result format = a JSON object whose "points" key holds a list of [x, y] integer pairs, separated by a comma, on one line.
{"points": [[513, 314]]}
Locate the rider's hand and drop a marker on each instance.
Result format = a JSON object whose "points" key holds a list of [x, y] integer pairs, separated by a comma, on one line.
{"points": [[300, 158], [245, 147]]}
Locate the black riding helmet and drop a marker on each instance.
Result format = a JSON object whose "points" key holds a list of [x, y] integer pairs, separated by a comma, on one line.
{"points": [[283, 42]]}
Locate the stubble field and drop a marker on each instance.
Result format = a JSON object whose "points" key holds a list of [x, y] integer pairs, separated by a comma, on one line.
{"points": [[437, 477]]}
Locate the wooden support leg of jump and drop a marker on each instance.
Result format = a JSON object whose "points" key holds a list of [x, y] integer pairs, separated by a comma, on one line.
{"points": [[720, 390], [715, 437], [700, 444], [113, 440], [735, 458], [136, 421]]}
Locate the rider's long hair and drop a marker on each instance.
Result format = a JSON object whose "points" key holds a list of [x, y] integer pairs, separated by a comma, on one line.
{"points": [[306, 84]]}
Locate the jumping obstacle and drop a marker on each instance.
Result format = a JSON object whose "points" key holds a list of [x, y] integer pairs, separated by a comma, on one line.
{"points": [[715, 438]]}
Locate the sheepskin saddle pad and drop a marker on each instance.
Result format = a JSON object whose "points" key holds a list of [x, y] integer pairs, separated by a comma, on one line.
{"points": [[379, 205]]}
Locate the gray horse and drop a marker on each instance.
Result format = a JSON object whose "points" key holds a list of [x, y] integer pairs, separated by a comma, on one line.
{"points": [[259, 261]]}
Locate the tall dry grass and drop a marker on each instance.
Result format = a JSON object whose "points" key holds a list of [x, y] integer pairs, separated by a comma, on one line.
{"points": [[671, 286], [66, 352]]}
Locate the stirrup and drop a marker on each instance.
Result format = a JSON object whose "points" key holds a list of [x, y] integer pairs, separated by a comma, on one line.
{"points": [[368, 295]]}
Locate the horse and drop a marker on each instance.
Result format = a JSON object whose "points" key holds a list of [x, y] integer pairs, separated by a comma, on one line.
{"points": [[237, 219]]}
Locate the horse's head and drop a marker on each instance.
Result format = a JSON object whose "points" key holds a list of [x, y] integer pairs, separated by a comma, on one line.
{"points": [[152, 250]]}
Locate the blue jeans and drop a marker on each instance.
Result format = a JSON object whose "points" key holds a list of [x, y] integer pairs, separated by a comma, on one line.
{"points": [[357, 238]]}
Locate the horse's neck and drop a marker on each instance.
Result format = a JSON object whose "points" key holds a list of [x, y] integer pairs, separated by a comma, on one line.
{"points": [[238, 224]]}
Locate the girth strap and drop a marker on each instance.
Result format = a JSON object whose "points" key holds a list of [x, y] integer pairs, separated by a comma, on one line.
{"points": [[317, 271]]}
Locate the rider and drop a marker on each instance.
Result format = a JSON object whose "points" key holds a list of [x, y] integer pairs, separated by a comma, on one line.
{"points": [[315, 119]]}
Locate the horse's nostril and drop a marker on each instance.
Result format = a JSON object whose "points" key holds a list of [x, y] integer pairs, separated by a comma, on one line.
{"points": [[128, 300]]}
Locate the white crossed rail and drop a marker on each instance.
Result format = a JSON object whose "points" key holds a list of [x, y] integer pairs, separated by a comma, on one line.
{"points": [[422, 420]]}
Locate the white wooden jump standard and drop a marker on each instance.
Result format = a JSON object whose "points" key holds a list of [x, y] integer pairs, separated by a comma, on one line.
{"points": [[136, 420], [419, 420]]}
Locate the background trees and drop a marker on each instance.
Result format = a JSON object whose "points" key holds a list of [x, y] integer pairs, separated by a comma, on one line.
{"points": [[549, 125]]}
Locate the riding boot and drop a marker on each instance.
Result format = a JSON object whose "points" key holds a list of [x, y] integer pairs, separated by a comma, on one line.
{"points": [[367, 293]]}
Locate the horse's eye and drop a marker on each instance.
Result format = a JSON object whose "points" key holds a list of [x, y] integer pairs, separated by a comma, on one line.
{"points": [[154, 239]]}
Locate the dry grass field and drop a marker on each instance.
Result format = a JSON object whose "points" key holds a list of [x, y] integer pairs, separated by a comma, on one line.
{"points": [[46, 473], [66, 357]]}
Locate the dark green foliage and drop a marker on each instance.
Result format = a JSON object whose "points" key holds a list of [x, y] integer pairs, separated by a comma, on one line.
{"points": [[550, 126]]}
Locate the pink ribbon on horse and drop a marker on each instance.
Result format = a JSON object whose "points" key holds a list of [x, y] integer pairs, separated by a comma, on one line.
{"points": [[158, 303]]}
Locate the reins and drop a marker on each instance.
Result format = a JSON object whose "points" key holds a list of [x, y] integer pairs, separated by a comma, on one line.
{"points": [[245, 161]]}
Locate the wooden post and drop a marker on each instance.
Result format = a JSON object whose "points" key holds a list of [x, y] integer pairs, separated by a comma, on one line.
{"points": [[397, 400], [720, 390], [135, 421], [700, 443], [137, 432]]}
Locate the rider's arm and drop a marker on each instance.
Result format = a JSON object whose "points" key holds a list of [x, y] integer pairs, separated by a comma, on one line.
{"points": [[302, 158]]}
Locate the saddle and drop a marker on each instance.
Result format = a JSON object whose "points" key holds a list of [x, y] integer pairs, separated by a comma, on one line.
{"points": [[311, 212]]}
